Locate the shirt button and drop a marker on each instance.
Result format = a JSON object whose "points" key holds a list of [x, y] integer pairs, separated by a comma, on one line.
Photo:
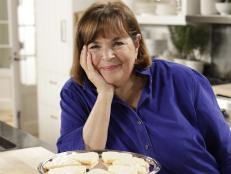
{"points": [[139, 122], [146, 146]]}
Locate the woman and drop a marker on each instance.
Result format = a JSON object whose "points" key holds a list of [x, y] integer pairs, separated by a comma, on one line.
{"points": [[118, 99]]}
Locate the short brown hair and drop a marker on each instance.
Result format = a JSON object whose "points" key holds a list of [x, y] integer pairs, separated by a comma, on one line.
{"points": [[103, 19]]}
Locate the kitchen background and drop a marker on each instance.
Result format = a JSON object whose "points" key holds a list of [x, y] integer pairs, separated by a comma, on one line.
{"points": [[36, 41]]}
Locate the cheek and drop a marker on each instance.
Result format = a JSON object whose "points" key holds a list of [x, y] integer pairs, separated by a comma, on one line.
{"points": [[128, 56], [94, 61], [122, 54], [95, 58]]}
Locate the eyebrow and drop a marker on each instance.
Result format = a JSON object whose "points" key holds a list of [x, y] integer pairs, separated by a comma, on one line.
{"points": [[116, 38], [113, 40], [94, 42]]}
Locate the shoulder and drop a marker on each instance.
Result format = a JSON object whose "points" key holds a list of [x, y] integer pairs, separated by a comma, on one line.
{"points": [[72, 88], [163, 66], [167, 70], [179, 78], [72, 85]]}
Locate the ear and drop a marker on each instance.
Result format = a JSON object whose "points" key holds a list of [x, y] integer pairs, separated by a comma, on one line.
{"points": [[137, 41]]}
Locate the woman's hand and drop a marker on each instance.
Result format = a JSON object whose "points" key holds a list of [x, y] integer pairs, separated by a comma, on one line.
{"points": [[93, 75]]}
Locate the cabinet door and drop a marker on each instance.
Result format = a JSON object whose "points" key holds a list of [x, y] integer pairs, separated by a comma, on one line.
{"points": [[47, 32], [49, 124], [65, 38], [55, 35], [49, 87]]}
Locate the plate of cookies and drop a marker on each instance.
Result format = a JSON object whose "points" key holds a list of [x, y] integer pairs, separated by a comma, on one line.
{"points": [[99, 162]]}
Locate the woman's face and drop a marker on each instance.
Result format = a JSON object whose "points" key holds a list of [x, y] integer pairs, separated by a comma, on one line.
{"points": [[114, 58]]}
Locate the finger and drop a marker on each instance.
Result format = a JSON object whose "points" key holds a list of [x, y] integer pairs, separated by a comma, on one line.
{"points": [[91, 69], [89, 62], [92, 72], [91, 65], [82, 55], [83, 58]]}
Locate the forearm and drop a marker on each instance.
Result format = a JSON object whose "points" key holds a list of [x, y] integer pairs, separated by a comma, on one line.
{"points": [[95, 129]]}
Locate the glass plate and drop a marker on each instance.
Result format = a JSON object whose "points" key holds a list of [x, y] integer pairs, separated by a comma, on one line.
{"points": [[154, 165]]}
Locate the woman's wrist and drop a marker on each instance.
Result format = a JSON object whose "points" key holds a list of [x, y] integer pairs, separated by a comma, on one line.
{"points": [[109, 90], [106, 94]]}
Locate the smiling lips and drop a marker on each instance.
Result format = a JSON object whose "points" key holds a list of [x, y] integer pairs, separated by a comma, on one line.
{"points": [[110, 67]]}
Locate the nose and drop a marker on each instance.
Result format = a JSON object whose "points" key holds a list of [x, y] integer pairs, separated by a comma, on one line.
{"points": [[107, 54]]}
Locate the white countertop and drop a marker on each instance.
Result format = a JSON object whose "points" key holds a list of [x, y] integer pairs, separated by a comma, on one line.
{"points": [[23, 161], [224, 90]]}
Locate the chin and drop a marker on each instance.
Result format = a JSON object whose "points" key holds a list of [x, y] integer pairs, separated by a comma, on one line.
{"points": [[115, 83]]}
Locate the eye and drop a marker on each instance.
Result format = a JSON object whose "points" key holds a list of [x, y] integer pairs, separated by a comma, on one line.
{"points": [[118, 43], [94, 47]]}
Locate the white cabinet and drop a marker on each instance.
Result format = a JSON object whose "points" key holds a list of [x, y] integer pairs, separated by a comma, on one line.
{"points": [[189, 13], [161, 20], [182, 19], [183, 9], [49, 91], [49, 126], [54, 34], [54, 51]]}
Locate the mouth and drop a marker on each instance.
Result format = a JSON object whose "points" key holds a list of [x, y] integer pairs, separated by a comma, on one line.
{"points": [[110, 67]]}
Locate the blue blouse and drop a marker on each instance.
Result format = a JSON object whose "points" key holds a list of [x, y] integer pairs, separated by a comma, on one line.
{"points": [[177, 121]]}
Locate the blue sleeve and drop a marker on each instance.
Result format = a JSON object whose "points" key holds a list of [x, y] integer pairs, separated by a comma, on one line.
{"points": [[212, 125], [73, 118]]}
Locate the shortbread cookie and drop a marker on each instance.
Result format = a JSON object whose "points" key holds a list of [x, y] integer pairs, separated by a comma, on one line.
{"points": [[140, 165], [68, 170], [89, 159], [122, 170], [123, 162], [127, 156], [61, 161], [98, 171], [141, 162], [110, 156]]}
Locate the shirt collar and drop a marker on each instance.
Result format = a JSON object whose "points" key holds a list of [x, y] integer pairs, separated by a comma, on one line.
{"points": [[146, 72]]}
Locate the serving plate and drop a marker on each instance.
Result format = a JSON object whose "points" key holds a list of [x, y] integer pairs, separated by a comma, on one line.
{"points": [[154, 165]]}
